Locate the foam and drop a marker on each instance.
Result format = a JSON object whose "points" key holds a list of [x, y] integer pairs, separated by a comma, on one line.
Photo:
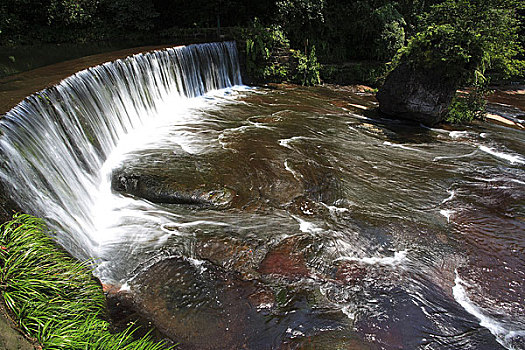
{"points": [[286, 142], [307, 227], [335, 209], [458, 134], [452, 194], [513, 159], [447, 213], [125, 287], [503, 332], [455, 157], [396, 145], [295, 174], [396, 260], [197, 263]]}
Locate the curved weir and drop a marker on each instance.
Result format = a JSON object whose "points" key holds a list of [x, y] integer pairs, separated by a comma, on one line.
{"points": [[277, 218], [55, 143]]}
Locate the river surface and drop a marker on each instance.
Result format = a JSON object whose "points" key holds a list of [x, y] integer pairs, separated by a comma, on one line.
{"points": [[342, 230], [318, 224]]}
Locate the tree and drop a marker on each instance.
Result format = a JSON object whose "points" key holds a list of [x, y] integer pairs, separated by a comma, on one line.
{"points": [[19, 16], [128, 15], [301, 19], [67, 12], [471, 36], [30, 21], [458, 42], [387, 25], [345, 30]]}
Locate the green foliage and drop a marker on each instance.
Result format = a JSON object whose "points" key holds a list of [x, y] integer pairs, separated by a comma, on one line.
{"points": [[303, 11], [464, 41], [270, 59], [440, 47], [369, 73], [465, 38], [350, 30], [262, 44], [53, 297], [307, 71], [15, 15], [58, 21], [467, 107], [129, 15], [461, 33], [69, 12], [301, 18], [390, 33]]}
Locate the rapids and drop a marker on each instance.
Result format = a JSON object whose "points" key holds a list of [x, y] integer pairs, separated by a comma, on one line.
{"points": [[343, 230]]}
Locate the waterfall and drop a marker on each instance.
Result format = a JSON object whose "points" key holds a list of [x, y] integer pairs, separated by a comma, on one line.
{"points": [[54, 144]]}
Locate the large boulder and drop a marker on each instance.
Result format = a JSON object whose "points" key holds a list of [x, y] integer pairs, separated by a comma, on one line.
{"points": [[416, 94]]}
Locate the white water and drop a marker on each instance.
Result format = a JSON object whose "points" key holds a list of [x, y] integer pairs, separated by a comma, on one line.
{"points": [[60, 145], [512, 158], [503, 333], [396, 260], [287, 142], [447, 213], [449, 198], [386, 143]]}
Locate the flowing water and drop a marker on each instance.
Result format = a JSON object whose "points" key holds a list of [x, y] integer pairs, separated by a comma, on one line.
{"points": [[237, 217]]}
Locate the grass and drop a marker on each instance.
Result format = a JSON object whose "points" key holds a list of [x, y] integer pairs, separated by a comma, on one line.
{"points": [[54, 298]]}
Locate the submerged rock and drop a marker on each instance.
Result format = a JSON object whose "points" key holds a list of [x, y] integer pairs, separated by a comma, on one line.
{"points": [[203, 306], [288, 258], [197, 304], [416, 94], [234, 254], [163, 189]]}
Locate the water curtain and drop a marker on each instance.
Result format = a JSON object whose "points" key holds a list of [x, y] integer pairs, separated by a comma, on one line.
{"points": [[55, 142]]}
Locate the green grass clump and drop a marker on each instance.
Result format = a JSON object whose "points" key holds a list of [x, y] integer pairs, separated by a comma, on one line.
{"points": [[54, 298]]}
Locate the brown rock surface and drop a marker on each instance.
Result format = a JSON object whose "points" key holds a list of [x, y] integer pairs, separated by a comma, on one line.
{"points": [[10, 337]]}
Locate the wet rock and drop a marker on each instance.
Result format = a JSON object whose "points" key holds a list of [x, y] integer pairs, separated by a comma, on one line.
{"points": [[287, 259], [231, 253], [492, 271], [248, 173], [122, 314], [159, 189], [402, 323], [201, 306], [12, 338], [318, 179], [350, 273], [512, 97], [7, 206], [338, 339], [416, 94], [302, 206]]}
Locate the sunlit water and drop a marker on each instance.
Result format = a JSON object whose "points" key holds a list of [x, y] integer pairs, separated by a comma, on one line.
{"points": [[344, 231]]}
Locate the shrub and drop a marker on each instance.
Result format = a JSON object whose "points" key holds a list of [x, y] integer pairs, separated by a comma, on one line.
{"points": [[307, 71], [466, 107], [262, 44]]}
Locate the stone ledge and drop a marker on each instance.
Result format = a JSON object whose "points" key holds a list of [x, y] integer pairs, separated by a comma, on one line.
{"points": [[10, 337]]}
